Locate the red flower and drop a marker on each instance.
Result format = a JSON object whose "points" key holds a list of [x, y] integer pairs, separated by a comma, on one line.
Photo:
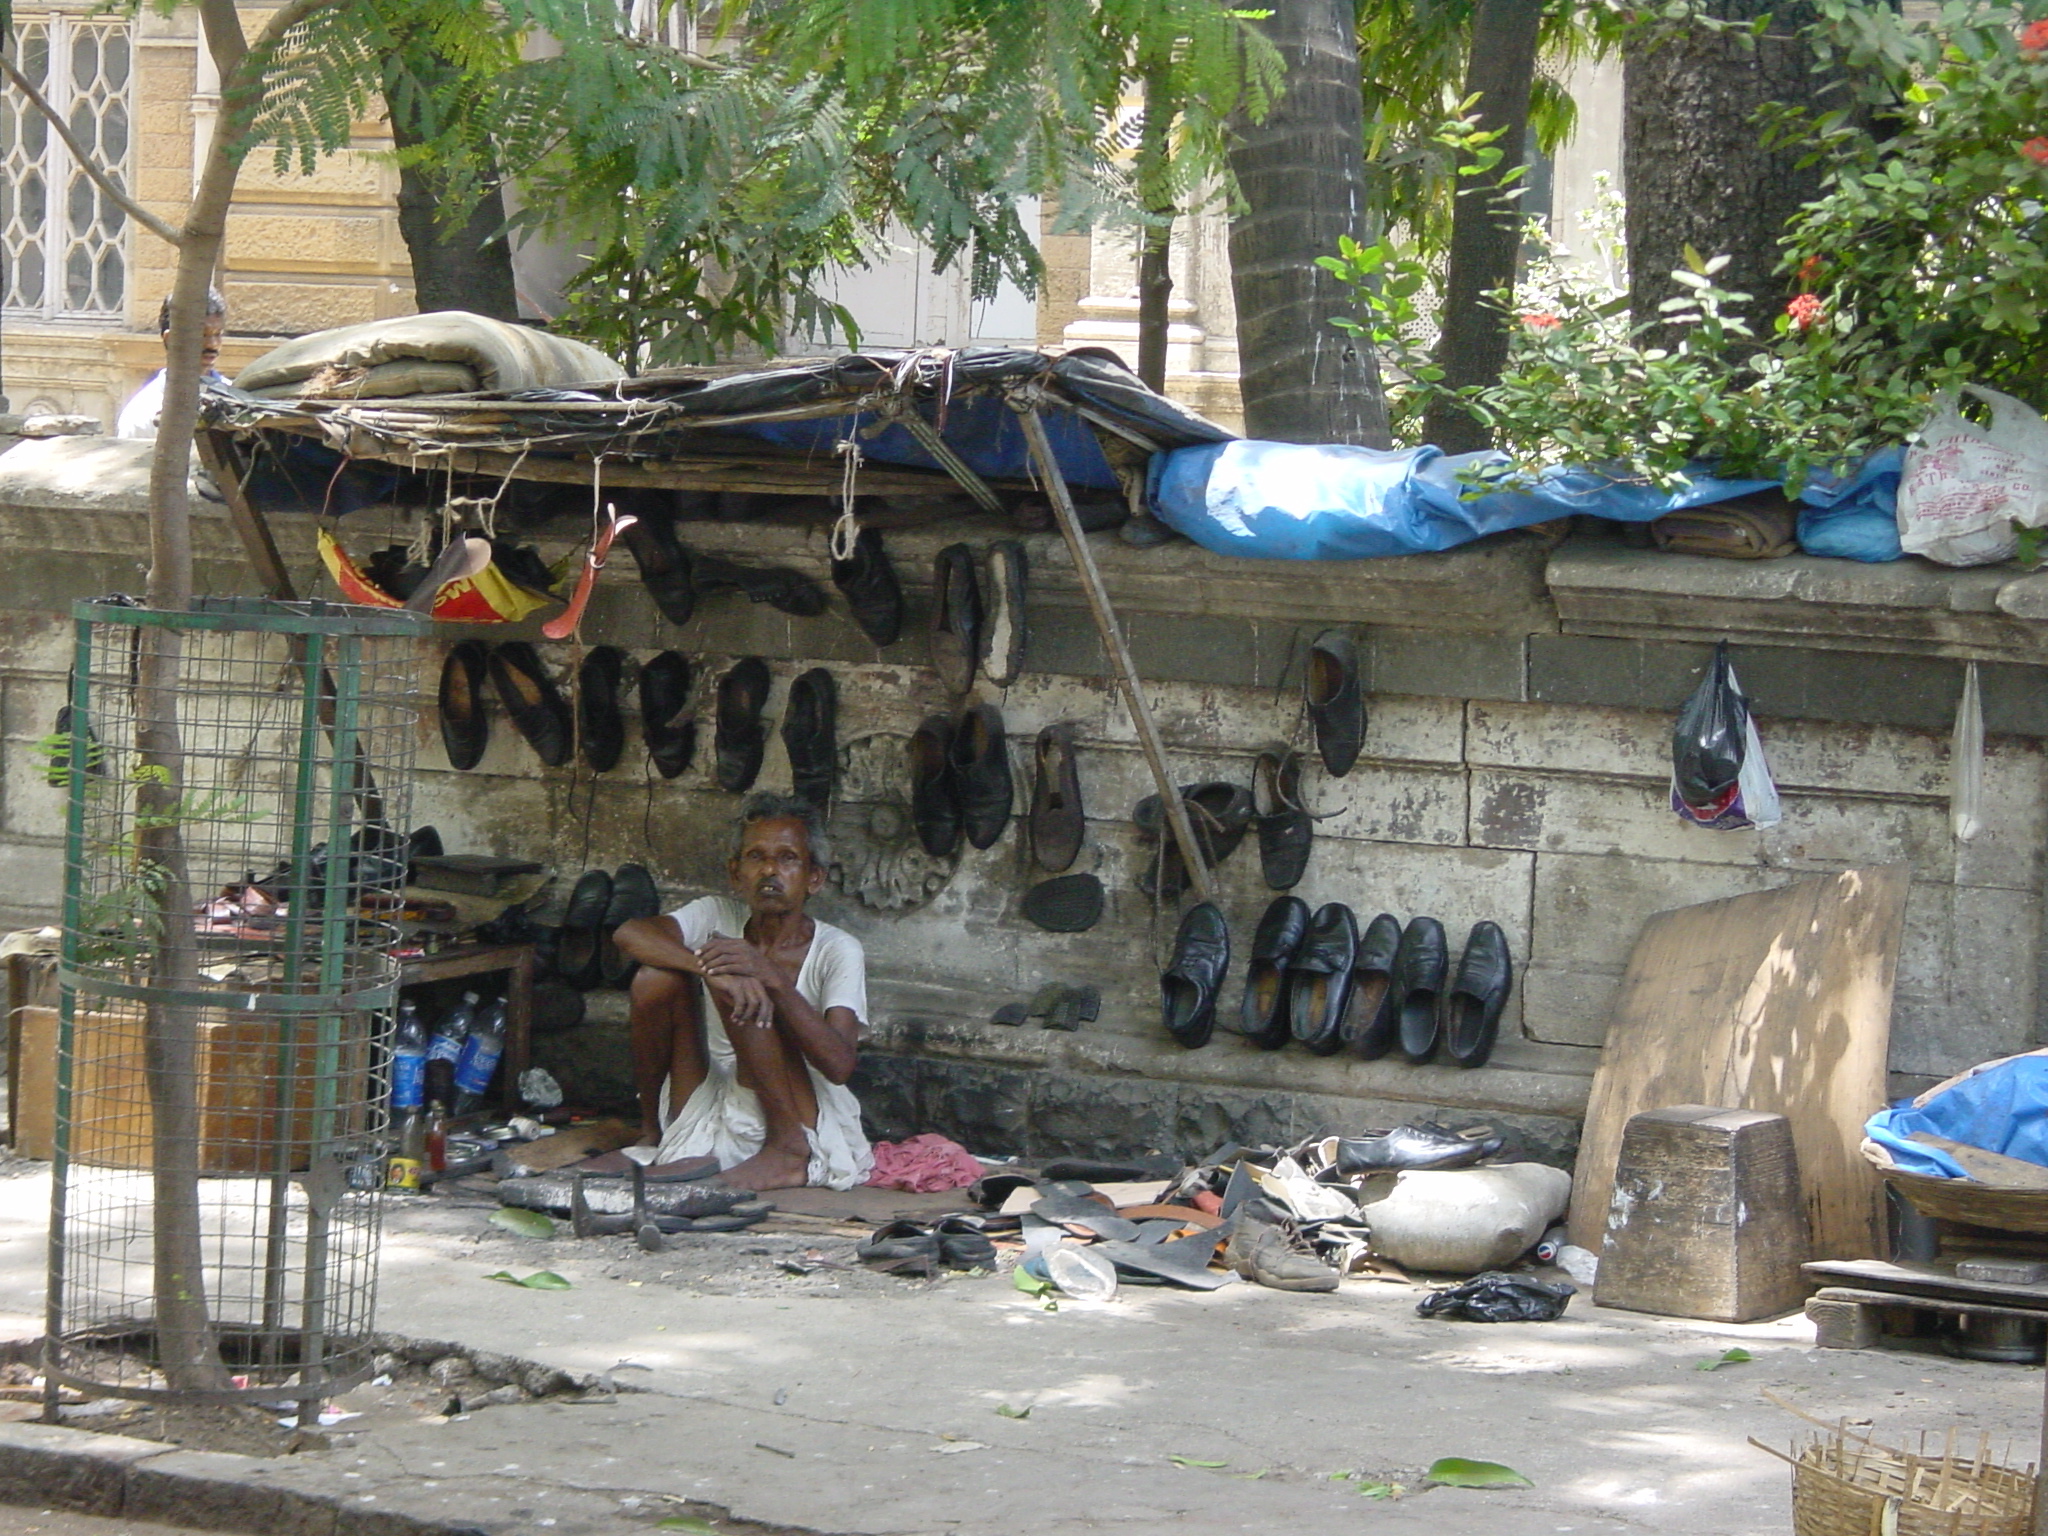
{"points": [[2034, 37], [2036, 150], [1804, 311], [1542, 322], [1809, 270]]}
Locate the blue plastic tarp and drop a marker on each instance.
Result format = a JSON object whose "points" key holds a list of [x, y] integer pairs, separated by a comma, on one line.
{"points": [[1299, 501], [2001, 1106]]}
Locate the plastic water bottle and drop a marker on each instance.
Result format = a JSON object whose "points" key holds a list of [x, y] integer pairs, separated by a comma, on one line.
{"points": [[408, 1061], [480, 1052], [453, 1029]]}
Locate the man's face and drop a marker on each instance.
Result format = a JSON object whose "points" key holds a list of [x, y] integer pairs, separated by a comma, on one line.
{"points": [[773, 872], [209, 341]]}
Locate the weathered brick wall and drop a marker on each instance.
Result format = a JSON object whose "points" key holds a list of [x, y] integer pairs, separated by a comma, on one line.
{"points": [[1515, 773]]}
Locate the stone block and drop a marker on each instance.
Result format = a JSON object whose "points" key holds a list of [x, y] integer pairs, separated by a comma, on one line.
{"points": [[987, 1109], [887, 1087], [50, 1467], [348, 176], [301, 241], [1062, 640], [2014, 700], [209, 1491], [1205, 1120], [1579, 669], [1448, 666], [1193, 647], [1077, 1116], [1563, 1006], [1393, 803]]}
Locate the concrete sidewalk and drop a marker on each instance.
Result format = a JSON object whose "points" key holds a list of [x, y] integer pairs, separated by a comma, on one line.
{"points": [[843, 1402]]}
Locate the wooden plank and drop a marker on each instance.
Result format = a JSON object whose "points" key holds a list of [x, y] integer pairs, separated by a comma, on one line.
{"points": [[1840, 1293], [216, 452], [1779, 1001], [1928, 1280]]}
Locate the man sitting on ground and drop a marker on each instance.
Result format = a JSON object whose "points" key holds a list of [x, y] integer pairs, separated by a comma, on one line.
{"points": [[757, 1080]]}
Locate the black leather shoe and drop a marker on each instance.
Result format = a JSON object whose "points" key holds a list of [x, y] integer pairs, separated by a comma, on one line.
{"points": [[740, 736], [1419, 968], [1264, 1018], [872, 592], [597, 707], [981, 775], [956, 618], [1319, 979], [1003, 629], [787, 591], [934, 801], [530, 697], [1336, 699], [1373, 1026], [1478, 993], [1414, 1146], [1058, 824], [809, 722], [666, 570], [1192, 979], [634, 896], [465, 728], [579, 955], [1220, 813], [1286, 831], [666, 724]]}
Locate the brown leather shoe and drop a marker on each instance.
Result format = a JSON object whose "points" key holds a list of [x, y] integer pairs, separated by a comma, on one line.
{"points": [[1058, 824], [956, 618]]}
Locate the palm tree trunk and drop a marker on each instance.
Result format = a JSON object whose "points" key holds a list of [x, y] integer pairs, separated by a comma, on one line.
{"points": [[1486, 223], [1301, 175]]}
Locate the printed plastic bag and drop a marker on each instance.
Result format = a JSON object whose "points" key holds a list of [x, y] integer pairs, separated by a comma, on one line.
{"points": [[1500, 1297], [1968, 488], [1719, 778]]}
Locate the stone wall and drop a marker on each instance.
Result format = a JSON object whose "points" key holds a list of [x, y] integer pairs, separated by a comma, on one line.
{"points": [[1515, 769]]}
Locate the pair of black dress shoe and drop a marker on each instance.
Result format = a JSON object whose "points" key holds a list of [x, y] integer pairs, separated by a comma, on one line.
{"points": [[675, 577], [1336, 699], [519, 677], [1219, 812], [580, 947], [1400, 998], [809, 730], [1301, 977], [960, 780], [973, 628], [1193, 978]]}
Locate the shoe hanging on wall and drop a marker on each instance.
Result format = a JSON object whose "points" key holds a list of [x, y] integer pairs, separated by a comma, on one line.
{"points": [[955, 636], [739, 737], [809, 733], [465, 728], [934, 802], [666, 724], [873, 594], [1004, 629], [981, 774], [538, 710], [1319, 979], [597, 707], [1264, 1016], [1478, 992], [1419, 968], [1373, 1027], [1336, 699], [1058, 823], [1194, 976], [1286, 830]]}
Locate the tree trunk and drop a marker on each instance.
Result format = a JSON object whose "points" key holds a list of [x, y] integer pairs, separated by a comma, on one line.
{"points": [[1486, 223], [466, 266], [1301, 175], [1693, 165], [1155, 276]]}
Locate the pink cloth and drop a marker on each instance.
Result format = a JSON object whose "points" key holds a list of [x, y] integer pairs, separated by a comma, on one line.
{"points": [[924, 1165]]}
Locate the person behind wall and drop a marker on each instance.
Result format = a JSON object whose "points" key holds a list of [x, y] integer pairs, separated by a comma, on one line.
{"points": [[757, 1079], [139, 416]]}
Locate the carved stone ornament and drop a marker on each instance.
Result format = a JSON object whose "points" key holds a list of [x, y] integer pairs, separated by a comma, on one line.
{"points": [[876, 857]]}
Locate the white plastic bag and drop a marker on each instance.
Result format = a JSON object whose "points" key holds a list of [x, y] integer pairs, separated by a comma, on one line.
{"points": [[1966, 486], [1966, 762]]}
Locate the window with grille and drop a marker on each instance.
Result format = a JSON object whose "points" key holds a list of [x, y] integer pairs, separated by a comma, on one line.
{"points": [[63, 242]]}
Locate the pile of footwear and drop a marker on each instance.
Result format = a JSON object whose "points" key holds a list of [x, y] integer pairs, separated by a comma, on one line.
{"points": [[653, 1204], [595, 725]]}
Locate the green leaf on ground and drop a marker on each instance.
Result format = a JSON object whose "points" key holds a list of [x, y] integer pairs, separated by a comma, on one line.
{"points": [[1736, 1356], [525, 1223], [686, 1523], [1457, 1472], [1381, 1490], [1189, 1461], [1012, 1413], [540, 1280]]}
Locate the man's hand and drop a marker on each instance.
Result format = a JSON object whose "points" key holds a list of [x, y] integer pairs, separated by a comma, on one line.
{"points": [[721, 956], [744, 1001]]}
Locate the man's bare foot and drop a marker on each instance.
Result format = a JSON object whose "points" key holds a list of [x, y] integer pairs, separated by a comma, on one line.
{"points": [[770, 1168]]}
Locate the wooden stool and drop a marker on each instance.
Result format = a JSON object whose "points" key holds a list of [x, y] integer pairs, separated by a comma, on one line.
{"points": [[1707, 1218]]}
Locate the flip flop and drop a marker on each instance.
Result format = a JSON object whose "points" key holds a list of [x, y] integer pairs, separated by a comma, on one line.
{"points": [[618, 1165], [563, 625]]}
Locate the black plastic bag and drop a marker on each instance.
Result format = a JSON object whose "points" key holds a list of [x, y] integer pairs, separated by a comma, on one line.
{"points": [[1499, 1297], [1710, 740]]}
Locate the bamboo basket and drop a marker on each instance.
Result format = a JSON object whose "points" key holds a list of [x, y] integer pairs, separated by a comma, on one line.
{"points": [[1845, 1484], [1972, 1203]]}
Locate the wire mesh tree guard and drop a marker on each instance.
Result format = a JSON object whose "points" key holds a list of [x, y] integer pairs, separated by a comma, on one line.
{"points": [[231, 898]]}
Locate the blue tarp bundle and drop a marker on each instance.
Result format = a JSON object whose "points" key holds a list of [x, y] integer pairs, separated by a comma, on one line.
{"points": [[1295, 501], [2001, 1106]]}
